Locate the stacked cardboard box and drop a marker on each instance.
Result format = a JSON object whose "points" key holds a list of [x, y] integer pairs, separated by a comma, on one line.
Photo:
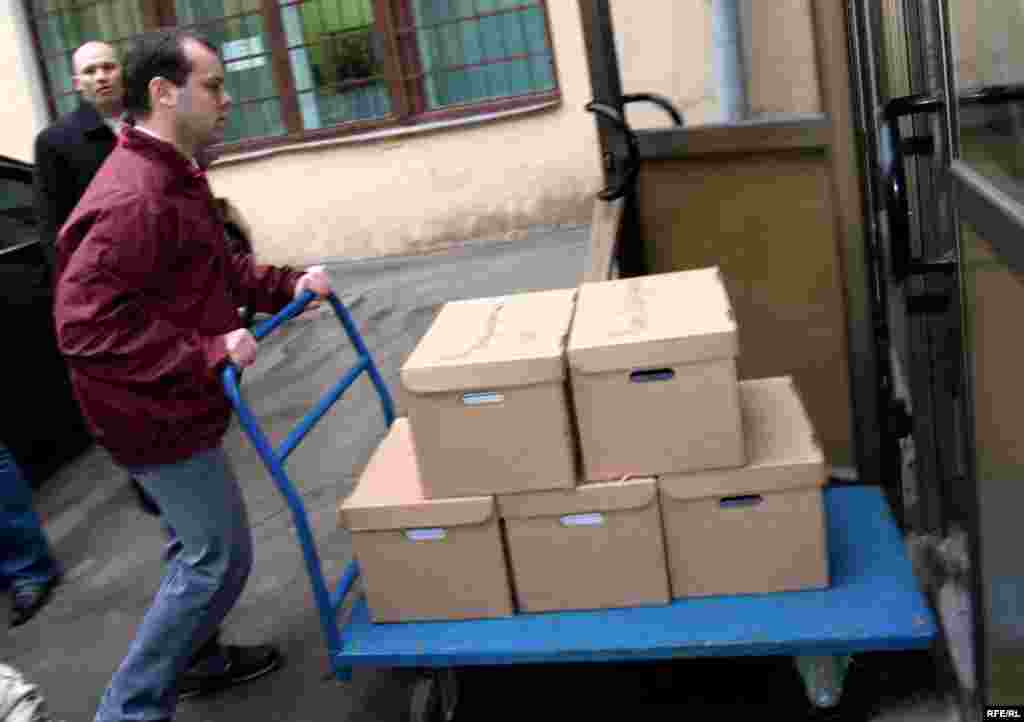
{"points": [[654, 375], [760, 527], [487, 399], [586, 449], [594, 546], [423, 559]]}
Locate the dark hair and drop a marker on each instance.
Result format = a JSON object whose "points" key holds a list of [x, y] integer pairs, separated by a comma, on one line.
{"points": [[158, 53]]}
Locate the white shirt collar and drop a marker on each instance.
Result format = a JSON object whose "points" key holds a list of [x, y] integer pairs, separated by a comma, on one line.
{"points": [[151, 134]]}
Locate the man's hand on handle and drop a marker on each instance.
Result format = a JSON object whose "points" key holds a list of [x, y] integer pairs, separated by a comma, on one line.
{"points": [[241, 344], [241, 347], [315, 279]]}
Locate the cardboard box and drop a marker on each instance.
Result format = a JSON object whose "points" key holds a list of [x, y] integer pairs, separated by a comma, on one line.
{"points": [[487, 397], [423, 559], [593, 547], [653, 372], [756, 529]]}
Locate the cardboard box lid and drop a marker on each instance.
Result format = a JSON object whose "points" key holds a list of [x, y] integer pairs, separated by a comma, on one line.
{"points": [[651, 321], [389, 494], [782, 450], [586, 498], [489, 343]]}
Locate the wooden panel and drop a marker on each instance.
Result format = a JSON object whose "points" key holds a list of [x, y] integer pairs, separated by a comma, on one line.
{"points": [[783, 67], [605, 79], [994, 295], [807, 132], [605, 229], [768, 221], [988, 203], [832, 44]]}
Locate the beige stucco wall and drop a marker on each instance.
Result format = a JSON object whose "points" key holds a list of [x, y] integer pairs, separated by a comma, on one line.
{"points": [[986, 42], [666, 48], [419, 190], [781, 58], [22, 109], [423, 191]]}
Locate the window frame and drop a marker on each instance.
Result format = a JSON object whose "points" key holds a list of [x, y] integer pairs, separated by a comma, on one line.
{"points": [[393, 17]]}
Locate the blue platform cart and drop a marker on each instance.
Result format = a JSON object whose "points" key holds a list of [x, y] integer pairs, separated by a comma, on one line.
{"points": [[873, 603]]}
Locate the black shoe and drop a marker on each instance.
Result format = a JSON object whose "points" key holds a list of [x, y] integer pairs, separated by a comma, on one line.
{"points": [[28, 599], [234, 665]]}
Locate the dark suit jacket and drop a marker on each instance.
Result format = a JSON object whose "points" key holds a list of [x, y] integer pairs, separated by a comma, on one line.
{"points": [[67, 156]]}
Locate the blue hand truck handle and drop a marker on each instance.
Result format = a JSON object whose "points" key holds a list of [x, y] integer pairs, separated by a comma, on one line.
{"points": [[327, 603]]}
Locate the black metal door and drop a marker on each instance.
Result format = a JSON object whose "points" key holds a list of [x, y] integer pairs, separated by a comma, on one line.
{"points": [[941, 89], [913, 240]]}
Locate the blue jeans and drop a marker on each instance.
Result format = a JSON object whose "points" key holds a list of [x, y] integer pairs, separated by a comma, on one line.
{"points": [[25, 556], [208, 562]]}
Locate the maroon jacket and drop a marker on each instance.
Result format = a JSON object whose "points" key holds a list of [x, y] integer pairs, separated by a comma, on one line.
{"points": [[146, 289]]}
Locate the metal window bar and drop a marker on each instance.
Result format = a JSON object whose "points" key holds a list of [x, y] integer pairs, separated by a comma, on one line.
{"points": [[252, 101], [316, 14], [503, 82], [476, 16], [310, 14], [434, 56], [138, 18], [64, 11], [504, 47], [365, 29], [489, 92], [207, 23], [457, 31], [531, 75], [68, 53], [357, 83], [470, 66], [408, 33], [128, 38], [409, 57], [251, 56]]}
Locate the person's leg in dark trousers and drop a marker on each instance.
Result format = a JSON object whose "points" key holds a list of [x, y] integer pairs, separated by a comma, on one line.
{"points": [[209, 561], [26, 562]]}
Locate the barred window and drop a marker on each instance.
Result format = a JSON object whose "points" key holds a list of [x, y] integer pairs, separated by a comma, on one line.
{"points": [[61, 26], [468, 51], [301, 69]]}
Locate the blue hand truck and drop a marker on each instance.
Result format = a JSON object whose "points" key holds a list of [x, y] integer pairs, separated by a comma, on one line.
{"points": [[873, 604]]}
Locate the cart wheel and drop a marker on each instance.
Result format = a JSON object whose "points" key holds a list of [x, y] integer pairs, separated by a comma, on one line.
{"points": [[823, 678], [434, 697], [425, 702], [449, 684]]}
